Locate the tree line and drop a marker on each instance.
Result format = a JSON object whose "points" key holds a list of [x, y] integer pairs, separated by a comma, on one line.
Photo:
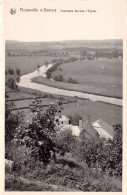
{"points": [[12, 72]]}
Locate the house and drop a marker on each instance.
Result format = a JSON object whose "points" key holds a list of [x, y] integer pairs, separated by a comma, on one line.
{"points": [[75, 130], [91, 131], [87, 131], [61, 121], [83, 131], [103, 129]]}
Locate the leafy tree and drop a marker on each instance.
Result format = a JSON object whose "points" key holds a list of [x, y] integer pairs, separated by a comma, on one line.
{"points": [[48, 73], [10, 71], [11, 121], [18, 79], [103, 155], [74, 120], [18, 71], [60, 78], [11, 84], [40, 135], [65, 141], [70, 80]]}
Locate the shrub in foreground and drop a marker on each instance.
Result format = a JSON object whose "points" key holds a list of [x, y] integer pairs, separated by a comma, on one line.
{"points": [[39, 136]]}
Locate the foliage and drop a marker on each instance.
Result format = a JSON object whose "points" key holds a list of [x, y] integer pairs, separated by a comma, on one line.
{"points": [[11, 121], [56, 64], [18, 79], [18, 71], [10, 71], [59, 78], [11, 84], [70, 80], [40, 135], [103, 155], [65, 141], [74, 120]]}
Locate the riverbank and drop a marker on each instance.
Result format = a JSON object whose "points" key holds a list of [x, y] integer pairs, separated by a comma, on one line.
{"points": [[26, 81], [89, 89]]}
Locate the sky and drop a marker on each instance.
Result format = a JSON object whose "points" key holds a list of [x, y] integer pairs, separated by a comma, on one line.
{"points": [[106, 23]]}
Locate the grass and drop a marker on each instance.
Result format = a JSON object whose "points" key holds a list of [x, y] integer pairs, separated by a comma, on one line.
{"points": [[22, 184], [66, 174], [19, 95], [108, 91], [110, 113], [28, 64], [79, 69], [102, 77]]}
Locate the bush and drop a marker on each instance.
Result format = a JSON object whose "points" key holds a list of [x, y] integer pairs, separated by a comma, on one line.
{"points": [[70, 80], [11, 121], [10, 71], [74, 120], [40, 135], [65, 141], [103, 155], [11, 84], [18, 71]]}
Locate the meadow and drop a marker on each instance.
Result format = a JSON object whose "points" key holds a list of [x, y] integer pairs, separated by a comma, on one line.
{"points": [[112, 114], [102, 77], [27, 64]]}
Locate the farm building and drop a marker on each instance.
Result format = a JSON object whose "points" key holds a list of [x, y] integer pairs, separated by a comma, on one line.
{"points": [[75, 130], [61, 121], [87, 131], [104, 129], [84, 131]]}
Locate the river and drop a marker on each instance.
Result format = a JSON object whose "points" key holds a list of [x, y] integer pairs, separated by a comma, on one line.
{"points": [[26, 81]]}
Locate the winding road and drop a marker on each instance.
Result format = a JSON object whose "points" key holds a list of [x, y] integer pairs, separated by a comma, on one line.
{"points": [[26, 81]]}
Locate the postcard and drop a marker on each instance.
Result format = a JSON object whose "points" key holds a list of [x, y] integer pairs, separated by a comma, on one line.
{"points": [[64, 108]]}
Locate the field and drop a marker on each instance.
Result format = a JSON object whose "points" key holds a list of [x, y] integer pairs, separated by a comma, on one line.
{"points": [[102, 76], [96, 110], [110, 113], [27, 64]]}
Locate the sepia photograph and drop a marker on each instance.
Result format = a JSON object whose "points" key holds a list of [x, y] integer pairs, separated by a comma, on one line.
{"points": [[64, 95]]}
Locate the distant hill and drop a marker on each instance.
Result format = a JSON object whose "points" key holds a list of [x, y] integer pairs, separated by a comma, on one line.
{"points": [[18, 47]]}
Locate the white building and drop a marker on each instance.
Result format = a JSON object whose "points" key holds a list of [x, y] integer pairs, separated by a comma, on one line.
{"points": [[75, 130], [104, 129], [61, 121]]}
